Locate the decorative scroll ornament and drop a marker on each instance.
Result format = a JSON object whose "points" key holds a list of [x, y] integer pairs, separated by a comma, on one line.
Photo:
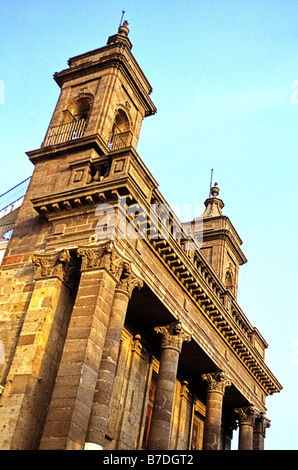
{"points": [[217, 381], [247, 415], [129, 280], [58, 264], [102, 256], [173, 336]]}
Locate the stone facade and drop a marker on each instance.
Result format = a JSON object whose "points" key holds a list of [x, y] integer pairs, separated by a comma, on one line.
{"points": [[115, 335]]}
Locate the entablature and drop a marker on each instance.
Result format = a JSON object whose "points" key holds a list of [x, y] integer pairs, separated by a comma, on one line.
{"points": [[187, 267]]}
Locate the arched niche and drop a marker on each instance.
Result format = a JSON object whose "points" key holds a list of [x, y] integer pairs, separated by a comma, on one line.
{"points": [[79, 109]]}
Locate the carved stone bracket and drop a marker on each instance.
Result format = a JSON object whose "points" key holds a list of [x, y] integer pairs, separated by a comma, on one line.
{"points": [[58, 264], [173, 336], [136, 345], [217, 381], [246, 415]]}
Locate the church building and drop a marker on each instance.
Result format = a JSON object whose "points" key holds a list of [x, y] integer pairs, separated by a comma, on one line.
{"points": [[120, 324]]}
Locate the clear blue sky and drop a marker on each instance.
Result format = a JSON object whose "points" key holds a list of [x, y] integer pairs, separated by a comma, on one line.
{"points": [[221, 72]]}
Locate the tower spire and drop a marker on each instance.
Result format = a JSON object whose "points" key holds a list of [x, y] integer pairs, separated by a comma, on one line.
{"points": [[210, 182]]}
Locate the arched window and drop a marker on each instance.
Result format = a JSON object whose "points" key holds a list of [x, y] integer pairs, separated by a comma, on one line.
{"points": [[229, 281], [80, 109], [120, 135], [121, 123], [76, 118]]}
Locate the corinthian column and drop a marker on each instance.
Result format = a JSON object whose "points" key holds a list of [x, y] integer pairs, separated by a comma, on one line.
{"points": [[247, 417], [261, 424], [217, 382], [100, 409], [173, 337]]}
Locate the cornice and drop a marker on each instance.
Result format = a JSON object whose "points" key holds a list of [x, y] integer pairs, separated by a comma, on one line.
{"points": [[93, 141], [196, 282], [226, 235]]}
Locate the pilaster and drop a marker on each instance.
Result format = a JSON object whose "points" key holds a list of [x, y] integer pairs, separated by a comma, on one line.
{"points": [[31, 377], [182, 431], [71, 402]]}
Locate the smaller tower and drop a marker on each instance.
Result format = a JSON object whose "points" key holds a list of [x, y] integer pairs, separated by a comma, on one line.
{"points": [[221, 243]]}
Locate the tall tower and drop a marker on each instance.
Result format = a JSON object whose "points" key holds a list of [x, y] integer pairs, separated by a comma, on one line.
{"points": [[88, 156], [221, 242]]}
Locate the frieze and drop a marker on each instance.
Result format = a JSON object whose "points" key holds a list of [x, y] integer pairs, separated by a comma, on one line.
{"points": [[210, 296]]}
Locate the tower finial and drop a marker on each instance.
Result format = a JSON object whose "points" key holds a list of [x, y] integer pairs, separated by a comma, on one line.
{"points": [[123, 28], [214, 190]]}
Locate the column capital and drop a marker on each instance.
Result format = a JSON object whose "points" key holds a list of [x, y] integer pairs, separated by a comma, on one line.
{"points": [[173, 336], [217, 381], [55, 264], [262, 423], [246, 415], [102, 255]]}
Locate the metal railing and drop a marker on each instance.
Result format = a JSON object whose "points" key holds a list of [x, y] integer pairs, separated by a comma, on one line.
{"points": [[10, 201], [116, 142], [119, 140], [64, 132], [6, 231]]}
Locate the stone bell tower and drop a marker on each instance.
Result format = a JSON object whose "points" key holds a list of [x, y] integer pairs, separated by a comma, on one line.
{"points": [[104, 93], [61, 288], [219, 241]]}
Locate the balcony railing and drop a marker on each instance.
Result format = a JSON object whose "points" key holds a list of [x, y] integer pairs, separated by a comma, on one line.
{"points": [[63, 133], [119, 140], [13, 195], [6, 231]]}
